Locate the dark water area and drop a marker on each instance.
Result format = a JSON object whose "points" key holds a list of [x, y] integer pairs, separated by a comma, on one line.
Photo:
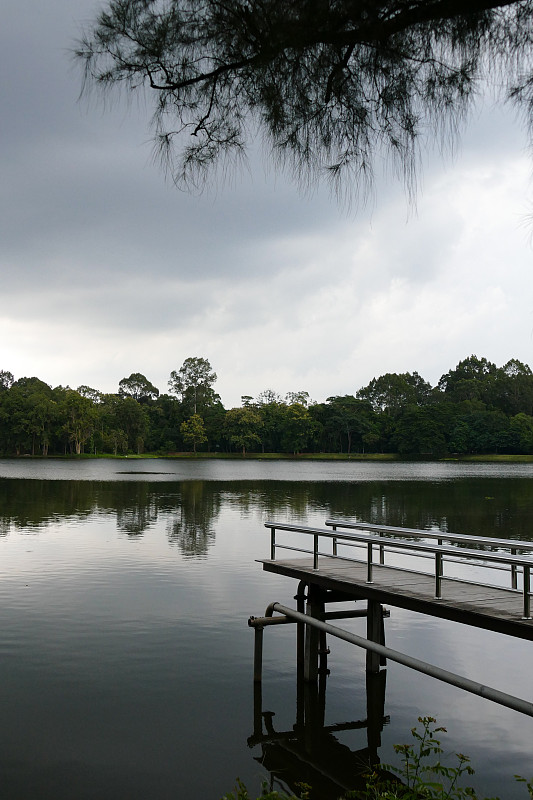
{"points": [[125, 656]]}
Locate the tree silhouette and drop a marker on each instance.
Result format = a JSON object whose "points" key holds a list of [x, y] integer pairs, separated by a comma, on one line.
{"points": [[331, 85]]}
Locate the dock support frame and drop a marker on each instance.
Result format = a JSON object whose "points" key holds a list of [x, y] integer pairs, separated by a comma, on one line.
{"points": [[502, 698], [375, 632]]}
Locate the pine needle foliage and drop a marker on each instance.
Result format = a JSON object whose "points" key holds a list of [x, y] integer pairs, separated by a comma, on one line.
{"points": [[333, 87]]}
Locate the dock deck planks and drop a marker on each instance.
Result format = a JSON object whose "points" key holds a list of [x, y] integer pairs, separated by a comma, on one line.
{"points": [[489, 607]]}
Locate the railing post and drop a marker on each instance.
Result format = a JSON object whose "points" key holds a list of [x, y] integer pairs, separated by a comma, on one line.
{"points": [[514, 579], [438, 576], [527, 599], [381, 551], [334, 540], [369, 563], [273, 544], [315, 551]]}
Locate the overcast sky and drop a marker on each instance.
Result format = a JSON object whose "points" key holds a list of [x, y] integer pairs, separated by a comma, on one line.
{"points": [[107, 269]]}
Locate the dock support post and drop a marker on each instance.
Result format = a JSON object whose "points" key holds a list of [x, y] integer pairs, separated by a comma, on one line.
{"points": [[300, 627], [375, 632], [258, 708], [375, 711], [300, 657], [258, 653], [315, 608]]}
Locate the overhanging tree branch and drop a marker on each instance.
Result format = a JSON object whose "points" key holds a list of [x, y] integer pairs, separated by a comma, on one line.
{"points": [[333, 84]]}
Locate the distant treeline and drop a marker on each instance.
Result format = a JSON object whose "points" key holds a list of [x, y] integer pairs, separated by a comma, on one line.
{"points": [[475, 408]]}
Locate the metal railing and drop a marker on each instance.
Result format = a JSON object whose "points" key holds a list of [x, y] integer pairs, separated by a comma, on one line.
{"points": [[359, 536], [513, 545]]}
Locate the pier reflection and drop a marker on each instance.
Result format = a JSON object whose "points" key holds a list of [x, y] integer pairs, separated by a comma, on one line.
{"points": [[310, 751]]}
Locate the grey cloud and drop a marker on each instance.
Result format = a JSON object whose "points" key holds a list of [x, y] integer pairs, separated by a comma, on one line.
{"points": [[108, 269]]}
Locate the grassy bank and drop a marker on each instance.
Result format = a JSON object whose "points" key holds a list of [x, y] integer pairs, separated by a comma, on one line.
{"points": [[233, 456], [495, 458], [489, 457], [292, 456]]}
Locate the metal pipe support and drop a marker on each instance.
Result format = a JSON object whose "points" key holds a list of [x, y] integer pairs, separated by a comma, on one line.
{"points": [[504, 699]]}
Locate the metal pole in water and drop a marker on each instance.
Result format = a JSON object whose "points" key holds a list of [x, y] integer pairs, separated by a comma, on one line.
{"points": [[373, 634], [315, 609], [258, 653], [300, 629]]}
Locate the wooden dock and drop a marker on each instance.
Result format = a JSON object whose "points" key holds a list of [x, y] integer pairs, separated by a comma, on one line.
{"points": [[490, 607]]}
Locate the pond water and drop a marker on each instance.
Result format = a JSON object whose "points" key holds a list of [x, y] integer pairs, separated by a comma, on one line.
{"points": [[125, 656]]}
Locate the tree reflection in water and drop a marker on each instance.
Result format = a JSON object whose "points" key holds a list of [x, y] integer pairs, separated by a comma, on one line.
{"points": [[76, 588], [473, 505], [192, 528], [139, 512]]}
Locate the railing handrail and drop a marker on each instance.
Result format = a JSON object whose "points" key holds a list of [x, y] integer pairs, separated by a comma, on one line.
{"points": [[439, 550], [480, 555], [510, 544]]}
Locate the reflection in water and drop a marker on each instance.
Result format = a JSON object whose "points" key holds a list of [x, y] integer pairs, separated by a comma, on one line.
{"points": [[484, 506], [292, 501], [111, 653], [138, 511], [192, 528], [33, 503], [310, 752], [476, 506]]}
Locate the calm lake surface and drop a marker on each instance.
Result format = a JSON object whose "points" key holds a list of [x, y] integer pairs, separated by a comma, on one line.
{"points": [[125, 655]]}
